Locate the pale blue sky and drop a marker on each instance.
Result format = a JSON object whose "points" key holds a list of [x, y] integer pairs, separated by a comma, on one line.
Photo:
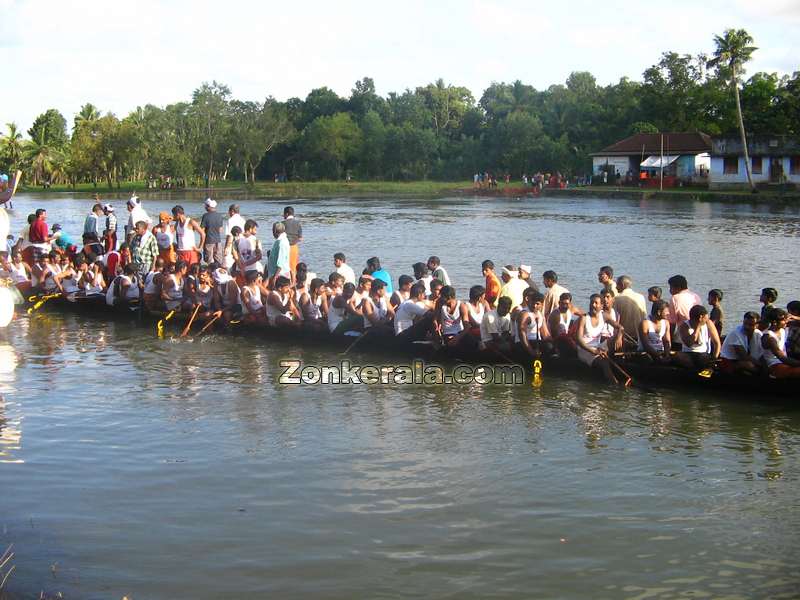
{"points": [[118, 55]]}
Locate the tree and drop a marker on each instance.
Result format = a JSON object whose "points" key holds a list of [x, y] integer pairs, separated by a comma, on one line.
{"points": [[12, 148], [733, 49], [87, 114], [333, 142], [49, 129], [210, 121]]}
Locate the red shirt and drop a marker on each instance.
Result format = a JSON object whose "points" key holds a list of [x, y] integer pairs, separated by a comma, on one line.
{"points": [[38, 233]]}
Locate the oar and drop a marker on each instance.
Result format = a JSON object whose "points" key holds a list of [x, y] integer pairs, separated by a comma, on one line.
{"points": [[358, 339], [209, 324], [160, 325], [623, 372], [185, 331], [537, 373], [41, 301]]}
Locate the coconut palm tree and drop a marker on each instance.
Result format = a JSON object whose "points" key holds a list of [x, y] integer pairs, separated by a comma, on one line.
{"points": [[13, 146], [88, 114], [734, 48]]}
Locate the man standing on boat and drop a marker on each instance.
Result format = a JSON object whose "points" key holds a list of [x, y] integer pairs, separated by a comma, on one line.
{"points": [[294, 233], [213, 249], [278, 264], [234, 219], [185, 227], [111, 227], [144, 249], [94, 221]]}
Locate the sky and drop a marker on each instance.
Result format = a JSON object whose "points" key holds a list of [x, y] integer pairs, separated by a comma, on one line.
{"points": [[119, 55]]}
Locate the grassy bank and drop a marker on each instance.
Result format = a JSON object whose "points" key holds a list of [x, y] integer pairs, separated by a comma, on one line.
{"points": [[310, 189]]}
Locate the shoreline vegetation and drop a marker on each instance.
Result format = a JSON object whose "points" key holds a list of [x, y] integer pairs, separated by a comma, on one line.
{"points": [[320, 190], [427, 136]]}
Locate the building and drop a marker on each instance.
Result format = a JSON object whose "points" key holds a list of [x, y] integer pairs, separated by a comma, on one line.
{"points": [[774, 160], [638, 158]]}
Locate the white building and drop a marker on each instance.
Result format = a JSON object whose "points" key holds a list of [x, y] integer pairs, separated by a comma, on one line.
{"points": [[774, 160]]}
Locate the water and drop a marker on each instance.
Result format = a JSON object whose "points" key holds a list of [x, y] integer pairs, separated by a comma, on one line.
{"points": [[161, 468]]}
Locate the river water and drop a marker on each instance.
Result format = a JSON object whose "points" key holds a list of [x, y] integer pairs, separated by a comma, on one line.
{"points": [[172, 468]]}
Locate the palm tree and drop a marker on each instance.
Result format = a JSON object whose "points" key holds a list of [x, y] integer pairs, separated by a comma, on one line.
{"points": [[88, 114], [734, 48], [12, 146]]}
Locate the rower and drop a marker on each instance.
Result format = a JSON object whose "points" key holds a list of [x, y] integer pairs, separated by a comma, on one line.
{"points": [[335, 286], [378, 312], [476, 308], [436, 291], [422, 275], [450, 317], [124, 289], [252, 305], [362, 292], [532, 332], [172, 285], [314, 306], [741, 351], [152, 287], [227, 294], [773, 342], [613, 332], [654, 334], [496, 328], [413, 318], [20, 273], [345, 270], [340, 308], [437, 270], [793, 329], [204, 296], [589, 338], [700, 344], [402, 292], [281, 308], [562, 323], [45, 271], [67, 279]]}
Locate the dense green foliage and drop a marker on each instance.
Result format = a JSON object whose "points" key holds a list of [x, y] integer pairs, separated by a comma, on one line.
{"points": [[439, 131]]}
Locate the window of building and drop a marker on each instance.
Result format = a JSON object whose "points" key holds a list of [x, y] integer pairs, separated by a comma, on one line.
{"points": [[756, 165], [794, 165], [730, 165]]}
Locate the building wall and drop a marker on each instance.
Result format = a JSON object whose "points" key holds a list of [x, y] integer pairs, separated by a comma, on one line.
{"points": [[620, 163], [720, 179]]}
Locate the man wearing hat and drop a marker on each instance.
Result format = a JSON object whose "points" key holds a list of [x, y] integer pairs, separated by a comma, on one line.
{"points": [[513, 286], [111, 228], [62, 243], [525, 275], [211, 223], [135, 214]]}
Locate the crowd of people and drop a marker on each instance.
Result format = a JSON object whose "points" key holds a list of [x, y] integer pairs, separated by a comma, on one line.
{"points": [[217, 269]]}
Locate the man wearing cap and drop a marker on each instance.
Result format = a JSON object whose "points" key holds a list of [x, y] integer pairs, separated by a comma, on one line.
{"points": [[294, 233], [62, 243], [524, 274], [234, 219], [135, 214], [213, 249], [111, 227], [513, 286]]}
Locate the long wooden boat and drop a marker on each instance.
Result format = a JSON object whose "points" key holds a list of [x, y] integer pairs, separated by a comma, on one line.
{"points": [[644, 373]]}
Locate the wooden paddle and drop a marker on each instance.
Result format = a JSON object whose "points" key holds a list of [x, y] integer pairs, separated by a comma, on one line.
{"points": [[40, 301], [185, 331], [209, 324], [623, 372], [358, 339]]}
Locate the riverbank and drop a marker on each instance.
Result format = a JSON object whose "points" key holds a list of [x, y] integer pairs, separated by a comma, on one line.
{"points": [[416, 189]]}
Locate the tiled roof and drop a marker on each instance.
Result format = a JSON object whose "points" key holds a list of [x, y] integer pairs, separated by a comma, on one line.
{"points": [[650, 143]]}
